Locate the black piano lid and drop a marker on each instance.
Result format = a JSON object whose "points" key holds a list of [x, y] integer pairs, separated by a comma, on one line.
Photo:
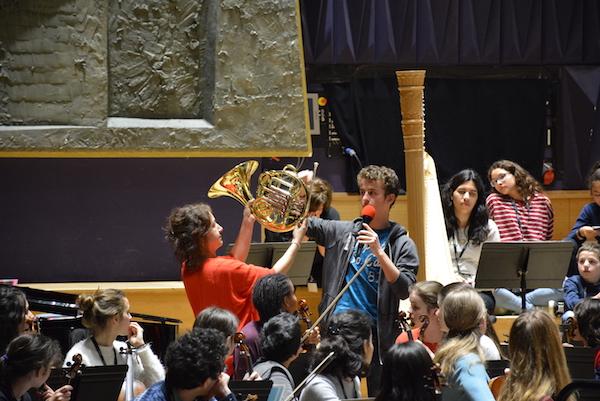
{"points": [[65, 304]]}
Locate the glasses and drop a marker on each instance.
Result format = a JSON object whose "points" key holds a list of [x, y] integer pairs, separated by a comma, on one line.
{"points": [[500, 179]]}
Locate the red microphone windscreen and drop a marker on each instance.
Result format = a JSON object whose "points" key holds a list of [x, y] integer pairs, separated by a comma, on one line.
{"points": [[368, 211]]}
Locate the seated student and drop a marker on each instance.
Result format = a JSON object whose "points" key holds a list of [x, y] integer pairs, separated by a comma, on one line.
{"points": [[280, 344], [223, 281], [462, 362], [587, 282], [106, 314], [219, 319], [349, 337], [17, 319], [15, 316], [489, 343], [407, 375], [271, 295], [587, 315], [538, 367], [195, 363], [423, 298], [26, 365], [585, 228]]}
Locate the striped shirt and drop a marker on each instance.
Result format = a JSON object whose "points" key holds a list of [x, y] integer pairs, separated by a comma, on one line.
{"points": [[521, 221]]}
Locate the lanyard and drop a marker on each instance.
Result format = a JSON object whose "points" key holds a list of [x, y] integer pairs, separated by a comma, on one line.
{"points": [[100, 352], [457, 256], [514, 205]]}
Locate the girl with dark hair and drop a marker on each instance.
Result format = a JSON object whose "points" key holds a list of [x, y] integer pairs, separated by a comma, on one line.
{"points": [[587, 316], [587, 226], [223, 281], [26, 365], [349, 336], [407, 375], [15, 316], [271, 295], [522, 212], [467, 222], [106, 314], [280, 344]]}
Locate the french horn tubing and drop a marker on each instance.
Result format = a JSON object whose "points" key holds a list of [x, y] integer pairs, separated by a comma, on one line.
{"points": [[282, 199]]}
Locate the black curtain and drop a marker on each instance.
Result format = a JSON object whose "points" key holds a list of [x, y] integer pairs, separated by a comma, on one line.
{"points": [[471, 123], [366, 113]]}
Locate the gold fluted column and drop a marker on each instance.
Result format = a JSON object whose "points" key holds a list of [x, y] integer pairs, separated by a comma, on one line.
{"points": [[410, 85]]}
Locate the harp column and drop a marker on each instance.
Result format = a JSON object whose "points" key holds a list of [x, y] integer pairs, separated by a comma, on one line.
{"points": [[410, 85]]}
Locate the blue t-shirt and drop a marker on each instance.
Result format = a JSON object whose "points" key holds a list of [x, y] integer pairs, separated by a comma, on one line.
{"points": [[362, 294]]}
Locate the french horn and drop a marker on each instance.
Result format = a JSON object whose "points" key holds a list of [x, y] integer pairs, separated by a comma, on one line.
{"points": [[282, 199]]}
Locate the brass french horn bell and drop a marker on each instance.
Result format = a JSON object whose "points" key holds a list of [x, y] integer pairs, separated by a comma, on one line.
{"points": [[282, 199]]}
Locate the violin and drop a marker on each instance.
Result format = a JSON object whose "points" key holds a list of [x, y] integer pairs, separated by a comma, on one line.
{"points": [[74, 368], [304, 313], [424, 324], [240, 342], [435, 381], [402, 322], [496, 385]]}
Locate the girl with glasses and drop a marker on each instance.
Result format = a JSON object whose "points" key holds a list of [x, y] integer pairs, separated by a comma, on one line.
{"points": [[522, 212]]}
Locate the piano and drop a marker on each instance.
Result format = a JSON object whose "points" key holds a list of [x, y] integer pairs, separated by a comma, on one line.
{"points": [[60, 319]]}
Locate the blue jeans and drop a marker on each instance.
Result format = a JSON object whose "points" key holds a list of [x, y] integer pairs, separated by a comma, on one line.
{"points": [[506, 299]]}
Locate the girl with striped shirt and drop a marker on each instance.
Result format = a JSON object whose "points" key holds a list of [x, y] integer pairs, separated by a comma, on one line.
{"points": [[522, 212]]}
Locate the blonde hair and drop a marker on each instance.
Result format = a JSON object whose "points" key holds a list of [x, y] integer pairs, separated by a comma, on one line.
{"points": [[537, 360], [99, 307], [463, 310]]}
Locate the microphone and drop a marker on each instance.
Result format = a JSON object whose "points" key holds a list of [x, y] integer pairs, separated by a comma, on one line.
{"points": [[352, 153], [366, 216]]}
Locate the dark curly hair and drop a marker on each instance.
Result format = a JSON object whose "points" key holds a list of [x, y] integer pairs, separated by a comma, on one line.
{"points": [[28, 353], [280, 337], [478, 221], [525, 183], [587, 314], [185, 227], [391, 183], [194, 357], [344, 335], [268, 294], [407, 375], [13, 308]]}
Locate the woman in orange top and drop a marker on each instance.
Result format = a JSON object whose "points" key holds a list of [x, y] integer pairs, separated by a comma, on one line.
{"points": [[223, 281], [423, 297]]}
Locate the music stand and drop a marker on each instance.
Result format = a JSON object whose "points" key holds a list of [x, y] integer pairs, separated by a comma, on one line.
{"points": [[243, 389], [300, 269], [266, 254], [524, 265], [95, 383]]}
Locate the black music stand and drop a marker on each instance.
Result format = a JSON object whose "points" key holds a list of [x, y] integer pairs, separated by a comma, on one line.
{"points": [[267, 253], [524, 265], [95, 383], [244, 389]]}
